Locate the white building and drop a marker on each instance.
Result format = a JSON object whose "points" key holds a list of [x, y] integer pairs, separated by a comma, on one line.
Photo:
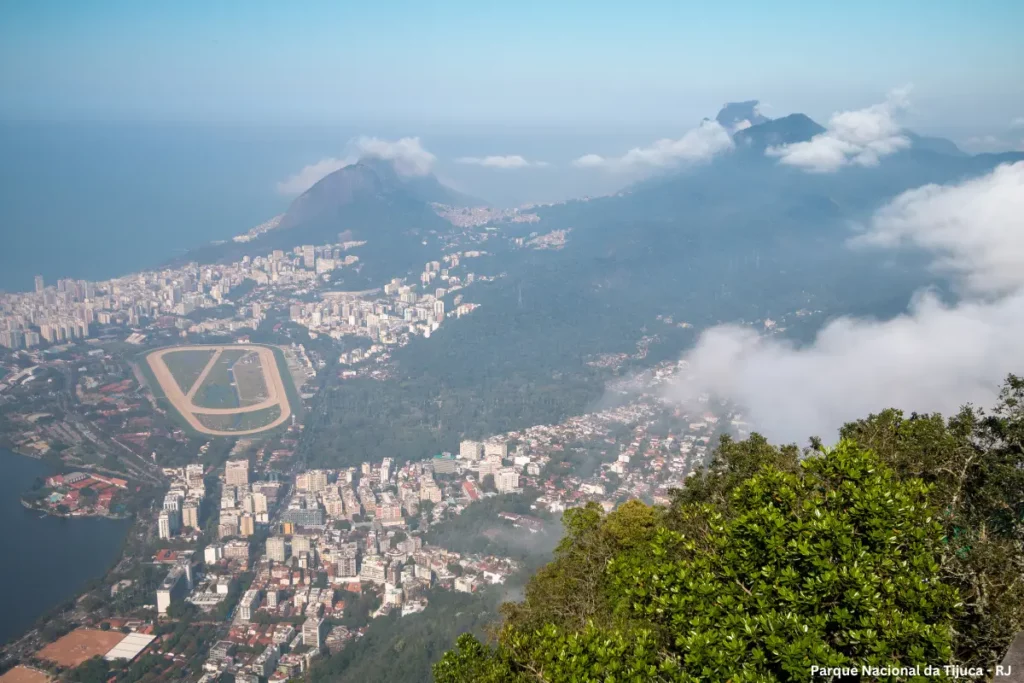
{"points": [[470, 450], [236, 473], [248, 605], [163, 524], [314, 631], [506, 480], [497, 449], [213, 553]]}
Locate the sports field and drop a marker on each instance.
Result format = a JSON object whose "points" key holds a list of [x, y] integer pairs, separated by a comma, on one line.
{"points": [[80, 645], [217, 390], [23, 674], [238, 391], [186, 366]]}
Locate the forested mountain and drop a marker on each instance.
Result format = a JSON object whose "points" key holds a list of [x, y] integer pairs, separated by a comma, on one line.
{"points": [[365, 201], [900, 547], [741, 238]]}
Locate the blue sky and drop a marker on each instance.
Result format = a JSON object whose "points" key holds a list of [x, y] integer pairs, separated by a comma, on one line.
{"points": [[524, 62]]}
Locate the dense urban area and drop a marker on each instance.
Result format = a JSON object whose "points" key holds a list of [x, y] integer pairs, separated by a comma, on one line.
{"points": [[247, 556]]}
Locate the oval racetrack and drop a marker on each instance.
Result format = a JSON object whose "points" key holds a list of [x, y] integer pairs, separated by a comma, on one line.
{"points": [[276, 394]]}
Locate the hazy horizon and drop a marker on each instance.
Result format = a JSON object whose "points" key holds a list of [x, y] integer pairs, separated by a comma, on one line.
{"points": [[176, 125]]}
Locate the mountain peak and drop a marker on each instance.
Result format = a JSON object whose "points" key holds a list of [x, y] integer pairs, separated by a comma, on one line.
{"points": [[774, 132], [736, 116]]}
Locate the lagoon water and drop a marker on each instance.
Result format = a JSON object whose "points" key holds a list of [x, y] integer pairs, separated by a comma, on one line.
{"points": [[47, 560]]}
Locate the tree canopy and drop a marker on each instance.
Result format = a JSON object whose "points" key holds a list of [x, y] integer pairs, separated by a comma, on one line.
{"points": [[899, 546]]}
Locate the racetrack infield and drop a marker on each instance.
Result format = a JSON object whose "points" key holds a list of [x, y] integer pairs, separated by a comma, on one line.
{"points": [[276, 392]]}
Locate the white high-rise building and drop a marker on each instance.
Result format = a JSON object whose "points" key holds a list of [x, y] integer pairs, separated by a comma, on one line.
{"points": [[213, 553], [172, 501], [497, 449], [248, 605], [506, 480], [163, 524], [385, 471], [313, 632], [470, 450], [190, 514], [236, 473]]}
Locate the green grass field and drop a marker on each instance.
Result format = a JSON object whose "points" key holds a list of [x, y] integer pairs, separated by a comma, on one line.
{"points": [[186, 366], [250, 385], [218, 389], [242, 421]]}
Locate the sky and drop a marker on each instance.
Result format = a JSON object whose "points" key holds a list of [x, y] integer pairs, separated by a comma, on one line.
{"points": [[524, 63]]}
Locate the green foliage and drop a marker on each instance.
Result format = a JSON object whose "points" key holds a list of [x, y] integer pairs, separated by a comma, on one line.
{"points": [[572, 590], [396, 648], [901, 545], [975, 465], [94, 670], [479, 530], [834, 562]]}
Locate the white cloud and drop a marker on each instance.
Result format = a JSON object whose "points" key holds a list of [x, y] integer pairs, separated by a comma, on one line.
{"points": [[408, 154], [936, 357], [1017, 122], [590, 161], [976, 229], [740, 125], [496, 161], [310, 175], [698, 144], [860, 137]]}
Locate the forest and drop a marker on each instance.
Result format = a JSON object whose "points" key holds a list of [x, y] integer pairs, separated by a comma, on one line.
{"points": [[899, 546]]}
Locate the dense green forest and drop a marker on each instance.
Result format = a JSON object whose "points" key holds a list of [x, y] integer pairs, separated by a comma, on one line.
{"points": [[900, 546], [397, 648], [479, 530]]}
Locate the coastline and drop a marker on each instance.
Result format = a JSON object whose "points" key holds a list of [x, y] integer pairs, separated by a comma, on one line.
{"points": [[52, 513], [68, 558]]}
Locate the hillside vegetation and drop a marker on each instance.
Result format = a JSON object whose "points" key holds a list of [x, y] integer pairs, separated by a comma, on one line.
{"points": [[900, 546]]}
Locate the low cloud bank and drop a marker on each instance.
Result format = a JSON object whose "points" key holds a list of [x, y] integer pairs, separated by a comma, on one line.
{"points": [[935, 357], [699, 144], [860, 138], [510, 161]]}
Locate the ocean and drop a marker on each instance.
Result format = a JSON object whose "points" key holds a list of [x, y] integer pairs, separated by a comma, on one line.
{"points": [[97, 200], [47, 559]]}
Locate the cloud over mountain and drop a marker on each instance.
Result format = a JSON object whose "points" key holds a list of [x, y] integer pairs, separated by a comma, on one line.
{"points": [[932, 358], [311, 174], [859, 137], [501, 161], [698, 144], [408, 155]]}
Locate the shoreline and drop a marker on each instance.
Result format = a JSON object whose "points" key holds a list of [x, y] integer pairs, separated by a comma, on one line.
{"points": [[45, 510], [31, 615]]}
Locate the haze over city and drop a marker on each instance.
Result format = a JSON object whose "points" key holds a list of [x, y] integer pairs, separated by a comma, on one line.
{"points": [[656, 341]]}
